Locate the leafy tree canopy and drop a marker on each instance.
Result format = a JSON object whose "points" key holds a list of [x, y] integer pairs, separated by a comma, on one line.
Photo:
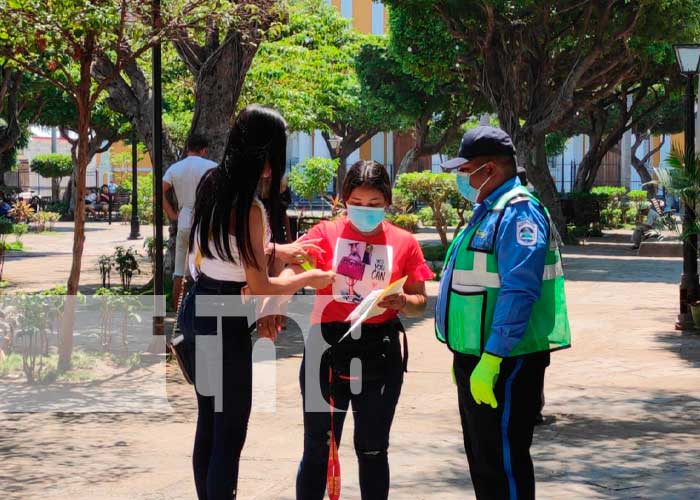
{"points": [[309, 73], [52, 165]]}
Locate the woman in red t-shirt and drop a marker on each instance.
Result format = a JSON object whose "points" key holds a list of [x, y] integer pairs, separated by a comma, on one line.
{"points": [[367, 253]]}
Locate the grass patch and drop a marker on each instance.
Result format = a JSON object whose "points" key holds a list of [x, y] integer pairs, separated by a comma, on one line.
{"points": [[12, 363], [13, 246], [130, 362], [82, 368], [4, 284]]}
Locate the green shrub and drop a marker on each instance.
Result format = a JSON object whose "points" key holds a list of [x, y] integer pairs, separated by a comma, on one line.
{"points": [[401, 202], [45, 220], [449, 214], [609, 193], [6, 226], [611, 218], [433, 252], [145, 196], [54, 166], [637, 196], [125, 212], [310, 178], [425, 216], [433, 190], [22, 211], [126, 264], [615, 205], [58, 207], [54, 290], [20, 230], [409, 222]]}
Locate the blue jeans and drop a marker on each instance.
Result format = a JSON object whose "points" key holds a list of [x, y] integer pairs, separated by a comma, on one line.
{"points": [[373, 411], [220, 436]]}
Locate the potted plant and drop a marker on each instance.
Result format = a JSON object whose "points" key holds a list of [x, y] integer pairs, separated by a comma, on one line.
{"points": [[682, 179], [695, 312]]}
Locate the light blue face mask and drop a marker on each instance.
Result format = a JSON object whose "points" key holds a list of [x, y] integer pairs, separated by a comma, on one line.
{"points": [[365, 219], [464, 185]]}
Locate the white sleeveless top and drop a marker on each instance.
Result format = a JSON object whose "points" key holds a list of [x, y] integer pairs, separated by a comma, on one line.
{"points": [[218, 268]]}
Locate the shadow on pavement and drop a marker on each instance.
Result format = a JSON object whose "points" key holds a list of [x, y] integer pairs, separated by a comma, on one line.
{"points": [[686, 345], [88, 228], [640, 270], [645, 455]]}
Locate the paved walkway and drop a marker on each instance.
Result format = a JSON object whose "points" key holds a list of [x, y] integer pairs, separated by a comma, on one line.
{"points": [[626, 400], [47, 257]]}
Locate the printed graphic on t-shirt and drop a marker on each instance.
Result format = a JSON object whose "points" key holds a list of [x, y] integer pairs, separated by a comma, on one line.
{"points": [[361, 268]]}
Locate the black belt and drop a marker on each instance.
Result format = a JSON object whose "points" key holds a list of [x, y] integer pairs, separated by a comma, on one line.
{"points": [[333, 332], [219, 287]]}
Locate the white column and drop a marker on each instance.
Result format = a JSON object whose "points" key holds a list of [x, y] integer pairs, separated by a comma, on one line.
{"points": [[377, 148], [346, 8], [320, 147], [304, 144], [377, 18], [626, 153], [354, 157]]}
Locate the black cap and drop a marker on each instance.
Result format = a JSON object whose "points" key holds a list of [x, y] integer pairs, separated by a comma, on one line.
{"points": [[481, 141]]}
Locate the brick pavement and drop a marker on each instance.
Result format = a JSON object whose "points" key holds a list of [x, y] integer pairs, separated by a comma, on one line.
{"points": [[626, 400], [46, 260]]}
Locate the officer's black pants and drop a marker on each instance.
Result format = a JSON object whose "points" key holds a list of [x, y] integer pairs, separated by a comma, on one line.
{"points": [[497, 441]]}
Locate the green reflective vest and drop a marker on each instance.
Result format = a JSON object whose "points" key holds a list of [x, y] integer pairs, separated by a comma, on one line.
{"points": [[474, 287]]}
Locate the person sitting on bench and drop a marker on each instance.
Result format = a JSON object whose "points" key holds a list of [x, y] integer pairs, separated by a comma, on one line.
{"points": [[647, 229]]}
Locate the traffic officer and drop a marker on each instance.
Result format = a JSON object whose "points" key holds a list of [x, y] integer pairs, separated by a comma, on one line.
{"points": [[501, 310]]}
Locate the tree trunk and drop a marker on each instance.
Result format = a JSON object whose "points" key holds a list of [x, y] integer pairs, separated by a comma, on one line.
{"points": [[645, 176], [215, 104], [69, 195], [588, 171], [601, 144], [11, 131], [639, 164], [538, 174], [440, 224], [342, 170], [65, 348], [406, 162], [134, 100], [56, 188]]}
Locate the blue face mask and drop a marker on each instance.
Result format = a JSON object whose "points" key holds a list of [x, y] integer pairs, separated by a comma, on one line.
{"points": [[365, 219], [464, 185]]}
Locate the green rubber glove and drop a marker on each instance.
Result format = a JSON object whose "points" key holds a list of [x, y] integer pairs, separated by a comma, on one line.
{"points": [[483, 379]]}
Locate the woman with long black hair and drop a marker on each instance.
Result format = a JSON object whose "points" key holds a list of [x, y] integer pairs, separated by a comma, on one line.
{"points": [[228, 242]]}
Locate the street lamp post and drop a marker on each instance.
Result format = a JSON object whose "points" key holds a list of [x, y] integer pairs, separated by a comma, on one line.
{"points": [[158, 280], [688, 57], [135, 223]]}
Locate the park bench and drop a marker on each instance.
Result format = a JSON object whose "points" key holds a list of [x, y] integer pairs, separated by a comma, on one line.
{"points": [[112, 212]]}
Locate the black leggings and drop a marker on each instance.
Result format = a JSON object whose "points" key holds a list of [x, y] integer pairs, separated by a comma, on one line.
{"points": [[221, 435], [373, 411]]}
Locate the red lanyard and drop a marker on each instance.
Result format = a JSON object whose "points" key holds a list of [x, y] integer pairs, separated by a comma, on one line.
{"points": [[333, 472]]}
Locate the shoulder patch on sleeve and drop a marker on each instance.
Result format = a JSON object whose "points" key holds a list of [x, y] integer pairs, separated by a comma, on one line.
{"points": [[526, 233]]}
